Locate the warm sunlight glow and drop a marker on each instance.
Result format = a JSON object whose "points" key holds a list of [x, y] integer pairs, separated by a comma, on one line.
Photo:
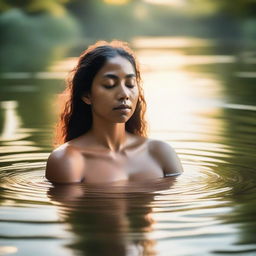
{"points": [[179, 98], [63, 65], [116, 2], [11, 122], [7, 250], [176, 3], [176, 96], [169, 42]]}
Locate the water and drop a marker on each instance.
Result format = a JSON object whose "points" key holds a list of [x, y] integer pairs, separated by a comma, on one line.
{"points": [[201, 99]]}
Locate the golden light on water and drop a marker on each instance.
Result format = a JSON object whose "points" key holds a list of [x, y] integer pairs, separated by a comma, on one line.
{"points": [[176, 105], [169, 42], [64, 65], [182, 104], [12, 122], [4, 250]]}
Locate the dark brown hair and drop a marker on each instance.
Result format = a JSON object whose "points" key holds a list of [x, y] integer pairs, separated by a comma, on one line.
{"points": [[76, 116]]}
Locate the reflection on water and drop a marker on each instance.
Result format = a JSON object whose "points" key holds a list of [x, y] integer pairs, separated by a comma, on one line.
{"points": [[11, 121], [108, 219], [201, 100]]}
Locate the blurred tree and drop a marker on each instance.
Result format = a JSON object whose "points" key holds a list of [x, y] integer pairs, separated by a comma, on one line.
{"points": [[105, 19], [224, 18], [55, 7], [237, 8], [31, 42]]}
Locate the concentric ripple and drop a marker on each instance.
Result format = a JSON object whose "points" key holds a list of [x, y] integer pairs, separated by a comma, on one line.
{"points": [[199, 204], [26, 182], [172, 209], [208, 210]]}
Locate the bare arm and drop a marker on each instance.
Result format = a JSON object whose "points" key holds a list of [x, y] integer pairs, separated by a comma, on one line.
{"points": [[65, 165], [167, 158]]}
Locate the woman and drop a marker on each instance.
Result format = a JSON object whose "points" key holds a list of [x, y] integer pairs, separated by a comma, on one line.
{"points": [[102, 125]]}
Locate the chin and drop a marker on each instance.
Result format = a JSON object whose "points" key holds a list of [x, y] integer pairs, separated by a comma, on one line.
{"points": [[122, 119]]}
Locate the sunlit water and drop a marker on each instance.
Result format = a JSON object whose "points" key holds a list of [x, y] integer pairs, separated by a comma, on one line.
{"points": [[201, 99]]}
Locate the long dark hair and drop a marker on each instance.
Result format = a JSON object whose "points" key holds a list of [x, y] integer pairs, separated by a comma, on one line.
{"points": [[76, 116]]}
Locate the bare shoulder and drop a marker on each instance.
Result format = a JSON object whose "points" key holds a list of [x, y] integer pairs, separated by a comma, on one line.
{"points": [[65, 165], [166, 156]]}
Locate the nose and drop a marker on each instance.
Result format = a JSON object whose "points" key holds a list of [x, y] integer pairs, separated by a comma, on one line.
{"points": [[123, 93]]}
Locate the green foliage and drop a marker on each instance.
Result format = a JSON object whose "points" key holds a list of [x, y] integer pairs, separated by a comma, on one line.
{"points": [[249, 29], [235, 8], [55, 7], [28, 42], [39, 26]]}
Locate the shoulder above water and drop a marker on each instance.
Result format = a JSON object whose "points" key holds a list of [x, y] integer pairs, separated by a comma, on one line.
{"points": [[166, 156], [65, 165]]}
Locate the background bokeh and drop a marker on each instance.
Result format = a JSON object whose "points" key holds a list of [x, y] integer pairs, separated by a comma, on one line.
{"points": [[34, 33], [198, 62]]}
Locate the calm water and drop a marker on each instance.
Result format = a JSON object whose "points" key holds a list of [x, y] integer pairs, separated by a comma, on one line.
{"points": [[202, 100]]}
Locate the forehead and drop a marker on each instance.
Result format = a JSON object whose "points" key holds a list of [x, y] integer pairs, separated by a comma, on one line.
{"points": [[117, 65]]}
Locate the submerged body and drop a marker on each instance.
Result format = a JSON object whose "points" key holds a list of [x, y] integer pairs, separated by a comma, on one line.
{"points": [[112, 148], [85, 160]]}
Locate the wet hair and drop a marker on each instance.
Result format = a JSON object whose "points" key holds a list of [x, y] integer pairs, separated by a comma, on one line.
{"points": [[76, 116]]}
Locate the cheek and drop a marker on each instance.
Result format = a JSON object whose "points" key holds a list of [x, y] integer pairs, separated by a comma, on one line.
{"points": [[100, 103], [99, 96], [135, 95]]}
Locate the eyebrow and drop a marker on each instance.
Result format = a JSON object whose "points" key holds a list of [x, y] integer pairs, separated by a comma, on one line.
{"points": [[112, 76]]}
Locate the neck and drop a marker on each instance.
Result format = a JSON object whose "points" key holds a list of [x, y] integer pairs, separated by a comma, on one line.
{"points": [[110, 135]]}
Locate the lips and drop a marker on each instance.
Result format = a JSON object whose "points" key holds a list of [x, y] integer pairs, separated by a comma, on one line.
{"points": [[122, 106]]}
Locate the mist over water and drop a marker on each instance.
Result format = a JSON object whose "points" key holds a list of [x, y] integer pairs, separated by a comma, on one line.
{"points": [[201, 100]]}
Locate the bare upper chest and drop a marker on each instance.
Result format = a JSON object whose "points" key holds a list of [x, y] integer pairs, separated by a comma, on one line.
{"points": [[135, 164]]}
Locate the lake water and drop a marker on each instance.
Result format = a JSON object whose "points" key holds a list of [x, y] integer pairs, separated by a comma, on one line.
{"points": [[201, 97]]}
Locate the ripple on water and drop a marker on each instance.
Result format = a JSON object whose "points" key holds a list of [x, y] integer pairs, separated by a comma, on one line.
{"points": [[184, 207], [207, 173], [25, 184]]}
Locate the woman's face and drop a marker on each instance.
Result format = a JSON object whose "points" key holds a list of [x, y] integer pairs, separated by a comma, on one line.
{"points": [[114, 93]]}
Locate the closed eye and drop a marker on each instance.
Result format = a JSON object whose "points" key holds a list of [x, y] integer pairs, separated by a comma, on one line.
{"points": [[108, 86], [130, 85]]}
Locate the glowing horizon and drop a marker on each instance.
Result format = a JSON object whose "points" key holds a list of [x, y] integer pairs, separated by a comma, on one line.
{"points": [[116, 2], [176, 3]]}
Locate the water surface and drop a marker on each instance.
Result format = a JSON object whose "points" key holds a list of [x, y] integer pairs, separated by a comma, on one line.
{"points": [[201, 100]]}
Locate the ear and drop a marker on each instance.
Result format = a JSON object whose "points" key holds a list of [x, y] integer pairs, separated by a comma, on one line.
{"points": [[86, 99]]}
